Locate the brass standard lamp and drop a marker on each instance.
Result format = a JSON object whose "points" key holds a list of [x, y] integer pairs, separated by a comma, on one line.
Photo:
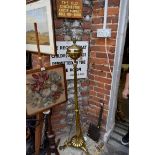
{"points": [[77, 141]]}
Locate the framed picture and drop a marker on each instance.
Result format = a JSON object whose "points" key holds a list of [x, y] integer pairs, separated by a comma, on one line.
{"points": [[40, 12], [45, 89]]}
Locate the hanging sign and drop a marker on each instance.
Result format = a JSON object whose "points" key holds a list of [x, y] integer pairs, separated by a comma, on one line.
{"points": [[63, 58], [69, 8]]}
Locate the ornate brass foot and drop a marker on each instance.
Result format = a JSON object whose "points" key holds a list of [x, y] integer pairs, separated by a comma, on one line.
{"points": [[76, 142], [85, 150]]}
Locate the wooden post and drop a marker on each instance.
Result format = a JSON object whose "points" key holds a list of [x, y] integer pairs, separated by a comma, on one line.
{"points": [[38, 130], [39, 116]]}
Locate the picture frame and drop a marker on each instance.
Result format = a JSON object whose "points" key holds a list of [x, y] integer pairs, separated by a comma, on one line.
{"points": [[45, 89], [40, 12]]}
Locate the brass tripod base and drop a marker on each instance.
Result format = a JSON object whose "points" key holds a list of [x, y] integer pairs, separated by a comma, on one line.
{"points": [[76, 142]]}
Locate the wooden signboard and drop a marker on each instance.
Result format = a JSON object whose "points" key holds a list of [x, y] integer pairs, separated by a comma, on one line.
{"points": [[69, 8]]}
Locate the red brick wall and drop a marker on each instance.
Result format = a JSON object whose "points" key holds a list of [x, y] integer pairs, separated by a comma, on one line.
{"points": [[97, 87], [99, 75]]}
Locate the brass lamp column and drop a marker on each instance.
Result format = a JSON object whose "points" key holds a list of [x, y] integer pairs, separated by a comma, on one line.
{"points": [[77, 141]]}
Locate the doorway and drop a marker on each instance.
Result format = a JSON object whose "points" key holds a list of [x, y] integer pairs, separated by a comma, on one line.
{"points": [[119, 51], [122, 113]]}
